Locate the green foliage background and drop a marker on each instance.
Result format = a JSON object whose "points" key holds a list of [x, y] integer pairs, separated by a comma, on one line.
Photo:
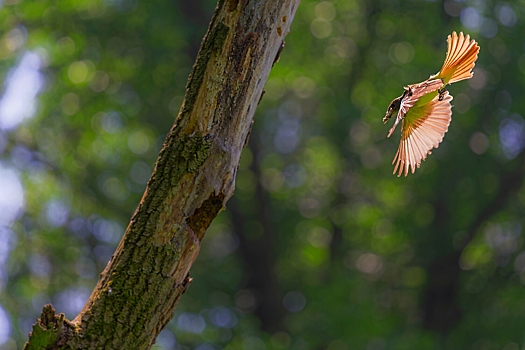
{"points": [[322, 247]]}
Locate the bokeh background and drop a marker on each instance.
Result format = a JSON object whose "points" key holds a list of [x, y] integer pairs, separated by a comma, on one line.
{"points": [[321, 246]]}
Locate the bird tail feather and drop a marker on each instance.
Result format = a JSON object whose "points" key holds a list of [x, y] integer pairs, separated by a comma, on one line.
{"points": [[462, 54]]}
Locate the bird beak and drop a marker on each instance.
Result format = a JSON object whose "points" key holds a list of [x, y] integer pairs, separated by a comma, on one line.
{"points": [[388, 114]]}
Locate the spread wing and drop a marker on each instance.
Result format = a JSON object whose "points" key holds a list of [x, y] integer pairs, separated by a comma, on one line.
{"points": [[414, 93], [423, 128]]}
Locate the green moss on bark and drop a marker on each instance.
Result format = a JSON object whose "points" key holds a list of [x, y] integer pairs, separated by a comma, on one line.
{"points": [[50, 331]]}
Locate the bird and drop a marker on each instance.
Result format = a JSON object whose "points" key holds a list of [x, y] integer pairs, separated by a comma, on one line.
{"points": [[425, 109]]}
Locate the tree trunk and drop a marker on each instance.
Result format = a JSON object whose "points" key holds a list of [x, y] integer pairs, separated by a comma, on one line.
{"points": [[193, 178]]}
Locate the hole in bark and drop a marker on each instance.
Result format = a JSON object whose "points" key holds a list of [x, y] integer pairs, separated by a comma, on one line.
{"points": [[203, 216]]}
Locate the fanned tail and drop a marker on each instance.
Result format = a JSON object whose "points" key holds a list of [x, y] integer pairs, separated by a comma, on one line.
{"points": [[462, 54]]}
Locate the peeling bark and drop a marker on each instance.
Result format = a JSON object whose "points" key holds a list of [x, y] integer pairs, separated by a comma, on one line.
{"points": [[193, 178]]}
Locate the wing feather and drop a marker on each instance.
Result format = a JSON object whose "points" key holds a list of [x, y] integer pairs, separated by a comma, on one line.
{"points": [[421, 132], [417, 91]]}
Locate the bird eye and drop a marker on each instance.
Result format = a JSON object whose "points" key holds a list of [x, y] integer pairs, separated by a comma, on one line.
{"points": [[394, 104]]}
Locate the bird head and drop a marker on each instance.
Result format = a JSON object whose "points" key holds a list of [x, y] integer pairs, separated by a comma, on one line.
{"points": [[393, 109]]}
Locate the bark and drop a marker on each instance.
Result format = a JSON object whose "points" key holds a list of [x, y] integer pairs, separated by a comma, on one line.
{"points": [[194, 176]]}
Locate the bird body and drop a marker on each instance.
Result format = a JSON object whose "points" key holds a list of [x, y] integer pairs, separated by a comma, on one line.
{"points": [[425, 110]]}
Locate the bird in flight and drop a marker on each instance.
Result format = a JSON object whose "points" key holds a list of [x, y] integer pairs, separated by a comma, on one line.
{"points": [[425, 109]]}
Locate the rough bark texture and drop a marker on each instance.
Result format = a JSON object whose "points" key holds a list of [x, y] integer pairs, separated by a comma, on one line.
{"points": [[193, 178]]}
